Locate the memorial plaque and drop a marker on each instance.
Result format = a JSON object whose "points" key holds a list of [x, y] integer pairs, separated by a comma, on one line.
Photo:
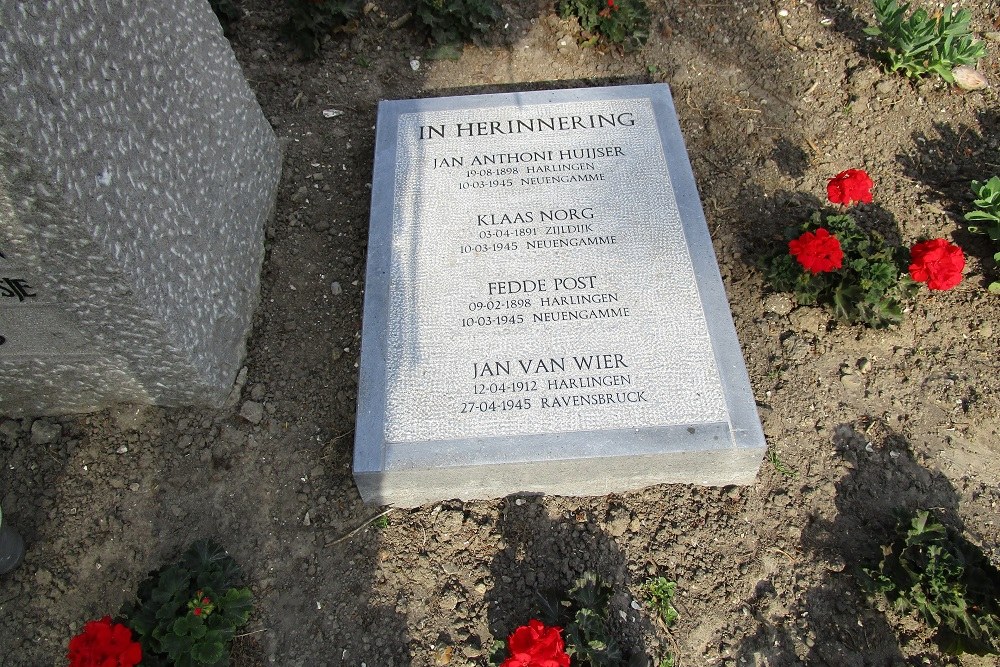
{"points": [[543, 309]]}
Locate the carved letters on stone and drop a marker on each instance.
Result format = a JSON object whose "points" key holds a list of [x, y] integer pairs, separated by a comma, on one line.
{"points": [[541, 284]]}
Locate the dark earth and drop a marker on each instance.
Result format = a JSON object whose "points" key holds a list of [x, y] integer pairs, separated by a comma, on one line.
{"points": [[774, 98]]}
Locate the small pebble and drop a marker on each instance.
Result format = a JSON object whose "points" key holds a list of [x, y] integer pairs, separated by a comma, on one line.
{"points": [[969, 78], [44, 432], [252, 411], [852, 382], [779, 304], [885, 87]]}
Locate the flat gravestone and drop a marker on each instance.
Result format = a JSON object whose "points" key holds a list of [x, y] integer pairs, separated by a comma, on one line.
{"points": [[543, 308]]}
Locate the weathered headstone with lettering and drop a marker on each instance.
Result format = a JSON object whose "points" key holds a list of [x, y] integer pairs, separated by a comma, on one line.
{"points": [[543, 308], [136, 174]]}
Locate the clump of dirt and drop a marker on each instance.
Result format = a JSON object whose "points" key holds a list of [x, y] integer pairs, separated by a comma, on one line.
{"points": [[774, 98]]}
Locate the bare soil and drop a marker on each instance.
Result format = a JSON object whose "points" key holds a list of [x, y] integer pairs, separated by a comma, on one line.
{"points": [[865, 422]]}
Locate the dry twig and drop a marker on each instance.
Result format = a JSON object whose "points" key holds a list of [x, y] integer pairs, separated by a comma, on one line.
{"points": [[354, 532]]}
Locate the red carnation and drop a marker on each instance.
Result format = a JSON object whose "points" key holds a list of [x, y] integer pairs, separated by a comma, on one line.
{"points": [[817, 252], [937, 263], [850, 186], [104, 644], [534, 645]]}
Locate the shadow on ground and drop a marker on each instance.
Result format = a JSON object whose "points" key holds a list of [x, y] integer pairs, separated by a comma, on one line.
{"points": [[945, 163], [541, 558], [783, 211], [835, 623]]}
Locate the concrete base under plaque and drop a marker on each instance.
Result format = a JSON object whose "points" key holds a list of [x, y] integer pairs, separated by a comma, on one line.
{"points": [[543, 308], [136, 174]]}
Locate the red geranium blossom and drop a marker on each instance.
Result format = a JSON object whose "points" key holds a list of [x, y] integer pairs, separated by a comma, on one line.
{"points": [[850, 186], [534, 645], [937, 263], [104, 644], [817, 252], [201, 604]]}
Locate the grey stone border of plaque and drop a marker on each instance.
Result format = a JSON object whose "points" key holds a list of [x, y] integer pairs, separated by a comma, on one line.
{"points": [[572, 463]]}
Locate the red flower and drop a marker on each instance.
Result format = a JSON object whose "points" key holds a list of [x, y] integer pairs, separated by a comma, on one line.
{"points": [[104, 644], [817, 252], [850, 186], [201, 604], [534, 645], [937, 263]]}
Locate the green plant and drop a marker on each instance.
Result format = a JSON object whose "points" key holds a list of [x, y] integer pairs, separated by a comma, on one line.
{"points": [[949, 584], [660, 592], [187, 613], [458, 21], [310, 21], [621, 22], [923, 43], [867, 288], [779, 465], [988, 202], [588, 638], [584, 614]]}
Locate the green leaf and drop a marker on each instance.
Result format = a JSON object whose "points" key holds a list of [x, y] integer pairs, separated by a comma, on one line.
{"points": [[176, 645], [844, 299], [236, 605], [190, 625], [208, 651]]}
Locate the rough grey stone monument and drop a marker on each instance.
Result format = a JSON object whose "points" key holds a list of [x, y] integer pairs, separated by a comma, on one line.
{"points": [[136, 174], [543, 308]]}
